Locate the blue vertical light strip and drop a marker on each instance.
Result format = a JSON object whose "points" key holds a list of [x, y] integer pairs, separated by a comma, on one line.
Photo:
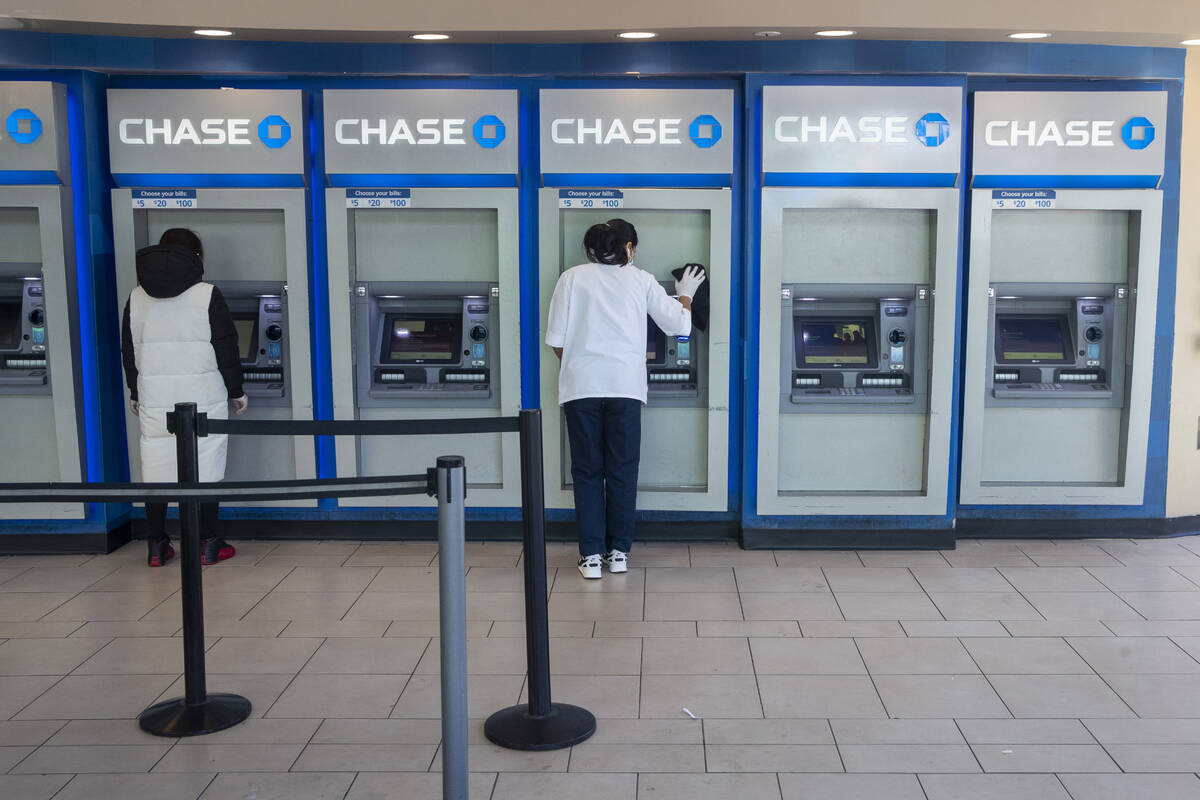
{"points": [[960, 303], [322, 358], [527, 202], [752, 102], [737, 282]]}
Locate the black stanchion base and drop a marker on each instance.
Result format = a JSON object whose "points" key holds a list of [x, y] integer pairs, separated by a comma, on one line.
{"points": [[176, 718], [564, 726]]}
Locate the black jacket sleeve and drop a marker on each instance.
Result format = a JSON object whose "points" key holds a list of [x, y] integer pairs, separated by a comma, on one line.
{"points": [[131, 370], [225, 343]]}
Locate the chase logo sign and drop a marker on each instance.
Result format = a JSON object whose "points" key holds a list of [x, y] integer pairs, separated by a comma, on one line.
{"points": [[273, 131], [933, 130], [488, 131], [1137, 133], [23, 126]]}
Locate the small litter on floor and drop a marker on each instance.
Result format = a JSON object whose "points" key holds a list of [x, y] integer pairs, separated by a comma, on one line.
{"points": [[690, 714]]}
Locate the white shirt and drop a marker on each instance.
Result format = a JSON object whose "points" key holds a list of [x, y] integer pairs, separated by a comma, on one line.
{"points": [[598, 318]]}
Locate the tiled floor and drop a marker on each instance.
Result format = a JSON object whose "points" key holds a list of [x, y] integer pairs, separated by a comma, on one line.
{"points": [[1047, 670]]}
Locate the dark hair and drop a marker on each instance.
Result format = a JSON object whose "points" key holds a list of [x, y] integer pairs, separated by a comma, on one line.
{"points": [[605, 242], [182, 237]]}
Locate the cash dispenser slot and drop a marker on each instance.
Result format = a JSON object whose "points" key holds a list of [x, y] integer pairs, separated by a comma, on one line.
{"points": [[671, 366], [23, 355], [260, 318]]}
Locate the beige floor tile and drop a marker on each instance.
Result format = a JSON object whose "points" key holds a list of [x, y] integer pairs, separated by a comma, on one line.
{"points": [[978, 560], [800, 606], [240, 628], [368, 656], [57, 579], [772, 758], [25, 733], [354, 696], [218, 607], [279, 786], [305, 606], [1038, 758], [994, 787], [1064, 627], [665, 696], [941, 758], [69, 560], [1139, 555], [106, 605], [257, 730], [258, 579], [1051, 579], [93, 758], [588, 757], [80, 732], [138, 656], [834, 629], [984, 606], [95, 697], [787, 656], [691, 580], [425, 628], [328, 579], [1086, 605], [142, 787], [500, 656], [817, 558], [41, 630], [940, 696], [11, 756], [734, 629], [407, 786], [39, 787], [1075, 558], [886, 605], [1156, 757], [1162, 697], [767, 731], [606, 629], [322, 547], [365, 758], [378, 731], [696, 657], [115, 629], [486, 694], [780, 579], [533, 786], [871, 579], [902, 558], [495, 605], [691, 606], [651, 731], [1142, 579], [17, 691], [896, 731], [828, 696], [585, 605], [609, 656], [1059, 696], [916, 657], [46, 656], [1132, 787], [1139, 655], [490, 758], [850, 787], [606, 696], [335, 629], [1163, 605], [560, 628], [730, 555], [1027, 656], [260, 656], [410, 579], [30, 606], [569, 580], [953, 629], [746, 786], [230, 758], [1027, 731], [1145, 731], [961, 579]]}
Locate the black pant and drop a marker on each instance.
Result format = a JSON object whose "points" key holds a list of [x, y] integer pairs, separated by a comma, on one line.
{"points": [[156, 520], [606, 446]]}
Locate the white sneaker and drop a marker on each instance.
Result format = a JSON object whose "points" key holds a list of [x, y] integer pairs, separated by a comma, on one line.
{"points": [[617, 561], [589, 566]]}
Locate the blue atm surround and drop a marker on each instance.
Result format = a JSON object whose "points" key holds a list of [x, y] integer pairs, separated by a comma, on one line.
{"points": [[91, 64]]}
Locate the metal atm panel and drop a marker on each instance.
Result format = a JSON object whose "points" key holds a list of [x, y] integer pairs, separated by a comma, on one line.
{"points": [[685, 424], [256, 248]]}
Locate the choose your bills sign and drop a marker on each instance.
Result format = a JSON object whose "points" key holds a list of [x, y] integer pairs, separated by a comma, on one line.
{"points": [[862, 129], [420, 131], [1069, 133], [663, 131], [34, 136], [198, 131]]}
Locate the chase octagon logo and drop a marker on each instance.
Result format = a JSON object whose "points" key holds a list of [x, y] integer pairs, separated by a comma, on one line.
{"points": [[932, 130], [274, 131], [1137, 133], [23, 126]]}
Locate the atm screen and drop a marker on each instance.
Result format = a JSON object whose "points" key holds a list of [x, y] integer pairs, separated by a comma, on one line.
{"points": [[656, 344], [10, 323], [1022, 339], [247, 333], [829, 342], [418, 339]]}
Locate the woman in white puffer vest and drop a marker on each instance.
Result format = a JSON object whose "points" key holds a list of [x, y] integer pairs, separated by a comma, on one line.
{"points": [[179, 345]]}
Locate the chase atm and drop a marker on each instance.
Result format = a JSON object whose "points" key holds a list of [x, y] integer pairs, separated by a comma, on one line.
{"points": [[1065, 227], [229, 165], [857, 308], [660, 159]]}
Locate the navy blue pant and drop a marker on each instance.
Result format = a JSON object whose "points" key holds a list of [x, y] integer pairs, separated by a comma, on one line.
{"points": [[606, 445]]}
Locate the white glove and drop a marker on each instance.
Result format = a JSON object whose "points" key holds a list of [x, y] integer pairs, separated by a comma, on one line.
{"points": [[693, 276], [133, 407]]}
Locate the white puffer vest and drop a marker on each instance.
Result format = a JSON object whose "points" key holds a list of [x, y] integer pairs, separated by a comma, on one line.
{"points": [[172, 345]]}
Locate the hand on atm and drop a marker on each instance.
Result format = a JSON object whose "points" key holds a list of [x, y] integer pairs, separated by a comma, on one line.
{"points": [[687, 284], [133, 407], [240, 404]]}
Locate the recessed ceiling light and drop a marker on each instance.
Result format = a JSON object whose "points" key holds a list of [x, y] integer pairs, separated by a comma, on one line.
{"points": [[1029, 36], [430, 37], [633, 72], [836, 33], [637, 35], [1190, 42], [768, 34], [212, 32]]}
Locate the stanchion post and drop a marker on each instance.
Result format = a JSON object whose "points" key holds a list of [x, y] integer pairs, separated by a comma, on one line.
{"points": [[452, 609], [541, 724], [197, 712]]}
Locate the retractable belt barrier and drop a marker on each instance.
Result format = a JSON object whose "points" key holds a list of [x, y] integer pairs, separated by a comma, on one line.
{"points": [[538, 725]]}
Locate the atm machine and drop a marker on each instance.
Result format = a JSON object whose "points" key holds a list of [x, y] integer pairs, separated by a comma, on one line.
{"points": [[857, 314], [41, 403], [685, 424], [1063, 292], [424, 283], [255, 243]]}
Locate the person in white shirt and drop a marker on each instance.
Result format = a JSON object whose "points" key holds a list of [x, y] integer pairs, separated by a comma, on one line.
{"points": [[597, 328]]}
